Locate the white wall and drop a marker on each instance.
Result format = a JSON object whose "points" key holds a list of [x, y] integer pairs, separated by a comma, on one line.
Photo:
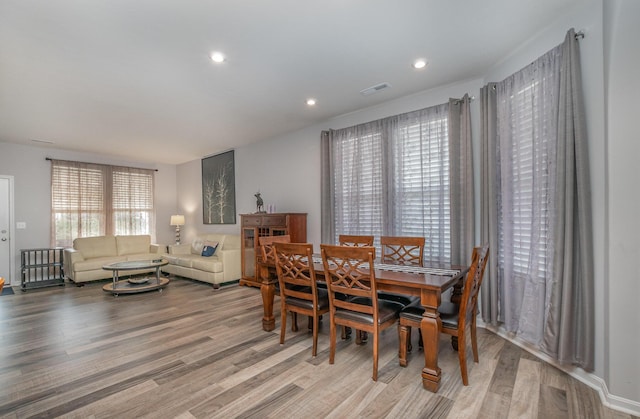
{"points": [[623, 141], [32, 200]]}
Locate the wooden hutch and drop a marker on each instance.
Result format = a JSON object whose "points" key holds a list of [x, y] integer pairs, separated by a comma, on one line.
{"points": [[254, 226]]}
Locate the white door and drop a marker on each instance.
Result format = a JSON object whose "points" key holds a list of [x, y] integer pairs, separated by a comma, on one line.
{"points": [[6, 244]]}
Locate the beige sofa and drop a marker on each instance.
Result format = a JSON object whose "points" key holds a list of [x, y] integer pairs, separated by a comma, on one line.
{"points": [[85, 260], [224, 265]]}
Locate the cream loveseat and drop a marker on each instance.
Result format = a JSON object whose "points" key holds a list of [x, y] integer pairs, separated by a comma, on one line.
{"points": [[85, 260], [224, 265]]}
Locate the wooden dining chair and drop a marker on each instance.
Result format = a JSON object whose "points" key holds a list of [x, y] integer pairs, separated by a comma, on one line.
{"points": [[401, 251], [357, 241], [350, 271], [299, 292], [457, 324]]}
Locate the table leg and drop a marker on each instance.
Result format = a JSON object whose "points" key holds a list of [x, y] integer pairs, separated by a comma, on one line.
{"points": [[267, 289], [430, 326]]}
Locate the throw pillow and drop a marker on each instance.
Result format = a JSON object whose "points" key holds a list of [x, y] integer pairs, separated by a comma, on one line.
{"points": [[196, 246], [209, 248]]}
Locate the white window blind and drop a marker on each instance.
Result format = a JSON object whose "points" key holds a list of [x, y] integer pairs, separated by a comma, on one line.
{"points": [[359, 187], [527, 166], [422, 206], [132, 201], [91, 200]]}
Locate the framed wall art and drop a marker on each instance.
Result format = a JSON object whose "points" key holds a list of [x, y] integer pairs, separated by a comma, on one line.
{"points": [[219, 189]]}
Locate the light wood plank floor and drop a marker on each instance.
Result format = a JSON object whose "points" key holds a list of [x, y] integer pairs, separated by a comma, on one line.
{"points": [[194, 352]]}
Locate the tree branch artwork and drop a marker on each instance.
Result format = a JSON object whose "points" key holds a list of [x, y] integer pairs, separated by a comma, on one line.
{"points": [[218, 189]]}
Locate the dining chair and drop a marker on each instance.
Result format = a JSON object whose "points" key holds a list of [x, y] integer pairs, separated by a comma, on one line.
{"points": [[299, 292], [268, 259], [456, 324], [350, 271], [267, 254], [402, 251], [358, 241]]}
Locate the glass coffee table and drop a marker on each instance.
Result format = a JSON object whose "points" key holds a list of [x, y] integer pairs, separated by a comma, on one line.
{"points": [[135, 285]]}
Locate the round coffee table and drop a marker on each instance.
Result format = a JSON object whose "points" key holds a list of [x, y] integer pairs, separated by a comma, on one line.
{"points": [[135, 285]]}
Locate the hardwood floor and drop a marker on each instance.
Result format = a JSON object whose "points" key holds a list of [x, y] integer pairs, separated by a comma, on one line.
{"points": [[193, 352]]}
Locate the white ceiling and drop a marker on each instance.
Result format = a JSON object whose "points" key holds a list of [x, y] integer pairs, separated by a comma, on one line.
{"points": [[133, 78]]}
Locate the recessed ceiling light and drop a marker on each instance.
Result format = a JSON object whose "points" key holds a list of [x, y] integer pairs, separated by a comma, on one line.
{"points": [[420, 63], [217, 57], [311, 101]]}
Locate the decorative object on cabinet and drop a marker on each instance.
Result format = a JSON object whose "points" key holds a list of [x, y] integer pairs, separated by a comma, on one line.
{"points": [[254, 226], [218, 189], [259, 203], [177, 220]]}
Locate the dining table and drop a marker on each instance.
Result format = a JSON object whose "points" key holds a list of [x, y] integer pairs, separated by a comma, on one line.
{"points": [[427, 282]]}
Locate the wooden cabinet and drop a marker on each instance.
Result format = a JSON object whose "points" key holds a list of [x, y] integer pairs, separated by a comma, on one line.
{"points": [[254, 226]]}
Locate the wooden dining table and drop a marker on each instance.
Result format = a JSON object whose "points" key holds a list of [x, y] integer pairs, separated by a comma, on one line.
{"points": [[429, 284]]}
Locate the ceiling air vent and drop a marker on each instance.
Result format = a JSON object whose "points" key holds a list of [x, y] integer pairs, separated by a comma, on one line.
{"points": [[374, 89]]}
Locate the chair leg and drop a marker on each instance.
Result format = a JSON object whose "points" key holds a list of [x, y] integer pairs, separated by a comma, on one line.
{"points": [[310, 323], [375, 356], [462, 356], [314, 319], [402, 339], [332, 342], [474, 342], [294, 321], [283, 324]]}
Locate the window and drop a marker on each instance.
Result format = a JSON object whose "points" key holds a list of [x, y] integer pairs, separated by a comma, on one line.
{"points": [[526, 134], [92, 200], [391, 177]]}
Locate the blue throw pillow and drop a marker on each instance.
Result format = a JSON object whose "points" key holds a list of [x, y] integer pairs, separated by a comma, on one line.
{"points": [[208, 250]]}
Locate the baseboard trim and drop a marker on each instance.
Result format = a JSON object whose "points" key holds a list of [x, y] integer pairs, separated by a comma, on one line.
{"points": [[610, 400]]}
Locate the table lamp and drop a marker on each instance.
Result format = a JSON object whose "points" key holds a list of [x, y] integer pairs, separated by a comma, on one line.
{"points": [[177, 220]]}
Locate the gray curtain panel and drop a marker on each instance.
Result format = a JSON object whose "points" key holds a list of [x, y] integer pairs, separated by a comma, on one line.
{"points": [[327, 220], [461, 180], [569, 329], [489, 175], [536, 191]]}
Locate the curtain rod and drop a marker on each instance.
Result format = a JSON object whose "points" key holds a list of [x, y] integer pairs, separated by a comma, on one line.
{"points": [[128, 167], [471, 98]]}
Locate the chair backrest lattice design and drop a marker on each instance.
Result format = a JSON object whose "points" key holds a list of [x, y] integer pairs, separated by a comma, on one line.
{"points": [[402, 250], [356, 241], [266, 247], [294, 265]]}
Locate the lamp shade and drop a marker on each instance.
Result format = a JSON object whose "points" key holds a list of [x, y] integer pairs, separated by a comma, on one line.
{"points": [[177, 220]]}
